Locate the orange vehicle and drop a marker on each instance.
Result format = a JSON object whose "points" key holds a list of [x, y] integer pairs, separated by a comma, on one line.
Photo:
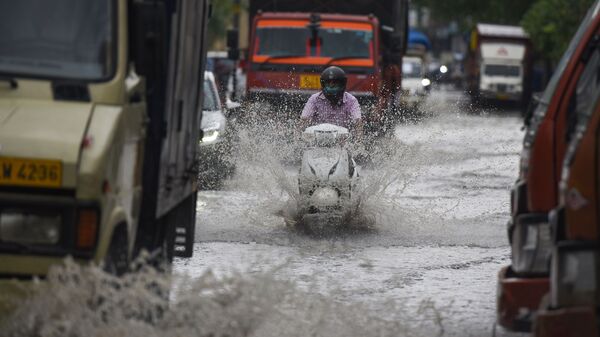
{"points": [[522, 284], [291, 42], [572, 307]]}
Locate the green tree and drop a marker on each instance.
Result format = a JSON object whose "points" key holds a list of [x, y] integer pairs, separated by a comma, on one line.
{"points": [[469, 12], [552, 23], [220, 21]]}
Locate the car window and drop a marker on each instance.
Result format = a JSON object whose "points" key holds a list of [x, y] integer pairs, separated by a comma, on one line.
{"points": [[210, 97]]}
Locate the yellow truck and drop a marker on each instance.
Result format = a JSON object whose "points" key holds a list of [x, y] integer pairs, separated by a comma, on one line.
{"points": [[100, 109]]}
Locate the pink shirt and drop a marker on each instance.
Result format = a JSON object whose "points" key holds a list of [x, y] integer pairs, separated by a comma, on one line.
{"points": [[319, 110]]}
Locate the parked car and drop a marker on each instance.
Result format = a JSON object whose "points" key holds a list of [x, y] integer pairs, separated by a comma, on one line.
{"points": [[215, 146], [415, 85], [522, 285]]}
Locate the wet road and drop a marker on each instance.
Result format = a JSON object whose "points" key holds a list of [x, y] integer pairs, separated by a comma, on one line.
{"points": [[424, 262]]}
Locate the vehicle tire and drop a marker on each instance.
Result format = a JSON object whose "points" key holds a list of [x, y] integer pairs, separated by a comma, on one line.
{"points": [[116, 261]]}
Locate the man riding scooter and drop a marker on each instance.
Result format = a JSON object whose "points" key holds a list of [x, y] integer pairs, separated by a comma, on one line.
{"points": [[328, 174]]}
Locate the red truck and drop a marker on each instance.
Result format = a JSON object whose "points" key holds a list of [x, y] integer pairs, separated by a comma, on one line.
{"points": [[571, 309], [522, 285], [291, 42]]}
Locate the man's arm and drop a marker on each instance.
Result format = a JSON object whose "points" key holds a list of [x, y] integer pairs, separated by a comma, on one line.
{"points": [[356, 117]]}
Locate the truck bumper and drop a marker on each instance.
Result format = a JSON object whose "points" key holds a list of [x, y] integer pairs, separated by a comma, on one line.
{"points": [[500, 96], [20, 277], [518, 298], [567, 322]]}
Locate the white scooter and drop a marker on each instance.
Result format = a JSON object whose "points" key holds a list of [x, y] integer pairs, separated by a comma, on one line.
{"points": [[328, 175]]}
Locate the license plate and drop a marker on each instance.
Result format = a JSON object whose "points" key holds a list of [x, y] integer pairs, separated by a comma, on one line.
{"points": [[310, 81], [502, 97], [30, 172]]}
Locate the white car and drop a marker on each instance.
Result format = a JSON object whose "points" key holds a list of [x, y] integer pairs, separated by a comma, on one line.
{"points": [[216, 143], [415, 86]]}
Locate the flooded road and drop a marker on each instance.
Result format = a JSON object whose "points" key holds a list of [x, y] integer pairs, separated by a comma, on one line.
{"points": [[425, 264], [419, 259]]}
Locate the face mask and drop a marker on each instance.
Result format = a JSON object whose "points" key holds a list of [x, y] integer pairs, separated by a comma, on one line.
{"points": [[333, 91]]}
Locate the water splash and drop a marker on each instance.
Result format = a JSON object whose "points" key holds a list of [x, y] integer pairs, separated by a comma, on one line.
{"points": [[84, 301]]}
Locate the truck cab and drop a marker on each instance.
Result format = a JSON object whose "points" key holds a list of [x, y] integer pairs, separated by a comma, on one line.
{"points": [[307, 44], [498, 63], [501, 70], [522, 285], [100, 111]]}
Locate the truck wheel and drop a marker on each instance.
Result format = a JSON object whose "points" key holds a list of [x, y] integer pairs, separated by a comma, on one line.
{"points": [[116, 261]]}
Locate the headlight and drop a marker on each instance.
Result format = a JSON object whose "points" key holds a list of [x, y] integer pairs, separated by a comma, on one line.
{"points": [[574, 276], [30, 228], [425, 82], [210, 136], [531, 244], [324, 197]]}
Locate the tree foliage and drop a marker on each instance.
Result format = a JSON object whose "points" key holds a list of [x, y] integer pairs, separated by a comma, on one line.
{"points": [[552, 23], [469, 12], [220, 20]]}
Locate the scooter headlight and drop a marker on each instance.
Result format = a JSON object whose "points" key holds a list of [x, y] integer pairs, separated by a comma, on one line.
{"points": [[531, 244], [574, 277], [324, 197]]}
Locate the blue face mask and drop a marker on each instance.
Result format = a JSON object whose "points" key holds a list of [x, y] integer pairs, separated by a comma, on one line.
{"points": [[333, 91]]}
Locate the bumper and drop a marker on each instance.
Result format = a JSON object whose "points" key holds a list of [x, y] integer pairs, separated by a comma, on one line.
{"points": [[501, 96], [569, 322], [21, 277], [518, 298], [13, 292]]}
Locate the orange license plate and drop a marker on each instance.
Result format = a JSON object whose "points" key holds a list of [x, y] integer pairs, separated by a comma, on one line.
{"points": [[30, 172], [310, 82]]}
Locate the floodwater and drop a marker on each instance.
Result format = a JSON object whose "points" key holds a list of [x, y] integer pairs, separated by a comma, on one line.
{"points": [[420, 257]]}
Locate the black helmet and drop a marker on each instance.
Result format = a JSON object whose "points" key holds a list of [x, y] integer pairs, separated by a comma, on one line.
{"points": [[333, 83]]}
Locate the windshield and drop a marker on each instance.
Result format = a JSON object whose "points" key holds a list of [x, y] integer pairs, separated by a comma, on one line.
{"points": [[502, 70], [56, 39], [210, 98], [332, 42], [412, 69]]}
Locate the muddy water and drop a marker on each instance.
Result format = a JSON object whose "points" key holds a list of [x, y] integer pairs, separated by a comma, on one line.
{"points": [[421, 259]]}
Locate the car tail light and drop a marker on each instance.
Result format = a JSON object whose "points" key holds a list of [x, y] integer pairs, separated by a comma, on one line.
{"points": [[531, 244], [574, 275], [87, 228]]}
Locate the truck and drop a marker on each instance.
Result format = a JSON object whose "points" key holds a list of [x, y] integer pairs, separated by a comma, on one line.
{"points": [[571, 306], [523, 284], [292, 42], [498, 64], [100, 109]]}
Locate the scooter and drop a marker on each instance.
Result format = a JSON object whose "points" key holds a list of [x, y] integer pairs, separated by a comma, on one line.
{"points": [[328, 175]]}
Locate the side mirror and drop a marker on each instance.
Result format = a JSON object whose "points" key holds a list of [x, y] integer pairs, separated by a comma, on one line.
{"points": [[533, 103], [148, 38], [233, 51]]}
